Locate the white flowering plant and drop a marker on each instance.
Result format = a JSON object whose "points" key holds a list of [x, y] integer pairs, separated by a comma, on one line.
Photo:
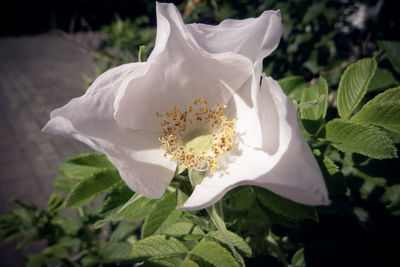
{"points": [[203, 159]]}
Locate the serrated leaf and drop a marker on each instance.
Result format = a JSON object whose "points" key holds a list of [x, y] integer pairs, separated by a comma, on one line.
{"points": [[298, 259], [92, 187], [115, 251], [313, 115], [383, 110], [349, 136], [214, 254], [236, 240], [161, 216], [157, 247], [136, 204], [85, 165], [392, 49], [353, 85], [386, 115], [293, 86], [313, 93], [118, 197], [178, 229], [382, 79], [285, 207], [389, 96]]}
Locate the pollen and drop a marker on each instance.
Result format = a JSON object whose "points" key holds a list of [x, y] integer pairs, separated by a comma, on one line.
{"points": [[196, 137]]}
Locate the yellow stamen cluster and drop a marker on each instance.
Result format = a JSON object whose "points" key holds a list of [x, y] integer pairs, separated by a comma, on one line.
{"points": [[185, 134]]}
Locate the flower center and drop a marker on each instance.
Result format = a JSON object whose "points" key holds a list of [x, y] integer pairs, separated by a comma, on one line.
{"points": [[197, 137]]}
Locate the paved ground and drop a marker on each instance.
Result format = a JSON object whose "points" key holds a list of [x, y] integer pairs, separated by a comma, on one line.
{"points": [[37, 75]]}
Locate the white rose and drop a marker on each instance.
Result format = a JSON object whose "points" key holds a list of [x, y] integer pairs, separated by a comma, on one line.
{"points": [[240, 131]]}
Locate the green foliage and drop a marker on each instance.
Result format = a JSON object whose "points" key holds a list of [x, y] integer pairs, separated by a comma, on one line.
{"points": [[214, 254], [353, 85], [362, 138], [392, 49], [92, 187], [236, 240], [157, 247], [383, 78], [293, 86], [162, 215], [383, 110], [85, 165], [316, 96], [285, 208]]}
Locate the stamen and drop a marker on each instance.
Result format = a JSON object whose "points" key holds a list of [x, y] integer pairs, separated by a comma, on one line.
{"points": [[197, 137]]}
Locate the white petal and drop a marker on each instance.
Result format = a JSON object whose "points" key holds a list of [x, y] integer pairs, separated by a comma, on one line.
{"points": [[180, 71], [89, 119], [288, 169], [254, 38]]}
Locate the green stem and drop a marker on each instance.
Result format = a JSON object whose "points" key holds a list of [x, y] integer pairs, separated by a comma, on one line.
{"points": [[215, 213]]}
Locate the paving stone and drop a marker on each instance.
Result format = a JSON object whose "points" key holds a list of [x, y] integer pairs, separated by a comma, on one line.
{"points": [[37, 75]]}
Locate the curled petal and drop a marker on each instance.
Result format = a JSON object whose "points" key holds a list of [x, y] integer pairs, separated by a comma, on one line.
{"points": [[287, 167], [254, 38], [90, 119], [180, 71]]}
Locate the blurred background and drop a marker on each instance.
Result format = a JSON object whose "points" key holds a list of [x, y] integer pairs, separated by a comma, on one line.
{"points": [[50, 52]]}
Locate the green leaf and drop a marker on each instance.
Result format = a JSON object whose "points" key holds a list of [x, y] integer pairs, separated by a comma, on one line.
{"points": [[298, 259], [293, 86], [135, 208], [392, 49], [313, 115], [92, 187], [285, 207], [54, 203], [353, 85], [214, 254], [236, 240], [85, 165], [157, 247], [313, 93], [157, 263], [178, 229], [56, 251], [334, 178], [115, 251], [122, 231], [118, 197], [189, 263], [382, 79], [162, 215], [35, 260], [349, 136], [215, 212], [386, 115], [383, 110], [63, 184]]}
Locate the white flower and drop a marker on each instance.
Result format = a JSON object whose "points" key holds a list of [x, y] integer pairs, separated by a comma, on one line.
{"points": [[143, 115]]}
